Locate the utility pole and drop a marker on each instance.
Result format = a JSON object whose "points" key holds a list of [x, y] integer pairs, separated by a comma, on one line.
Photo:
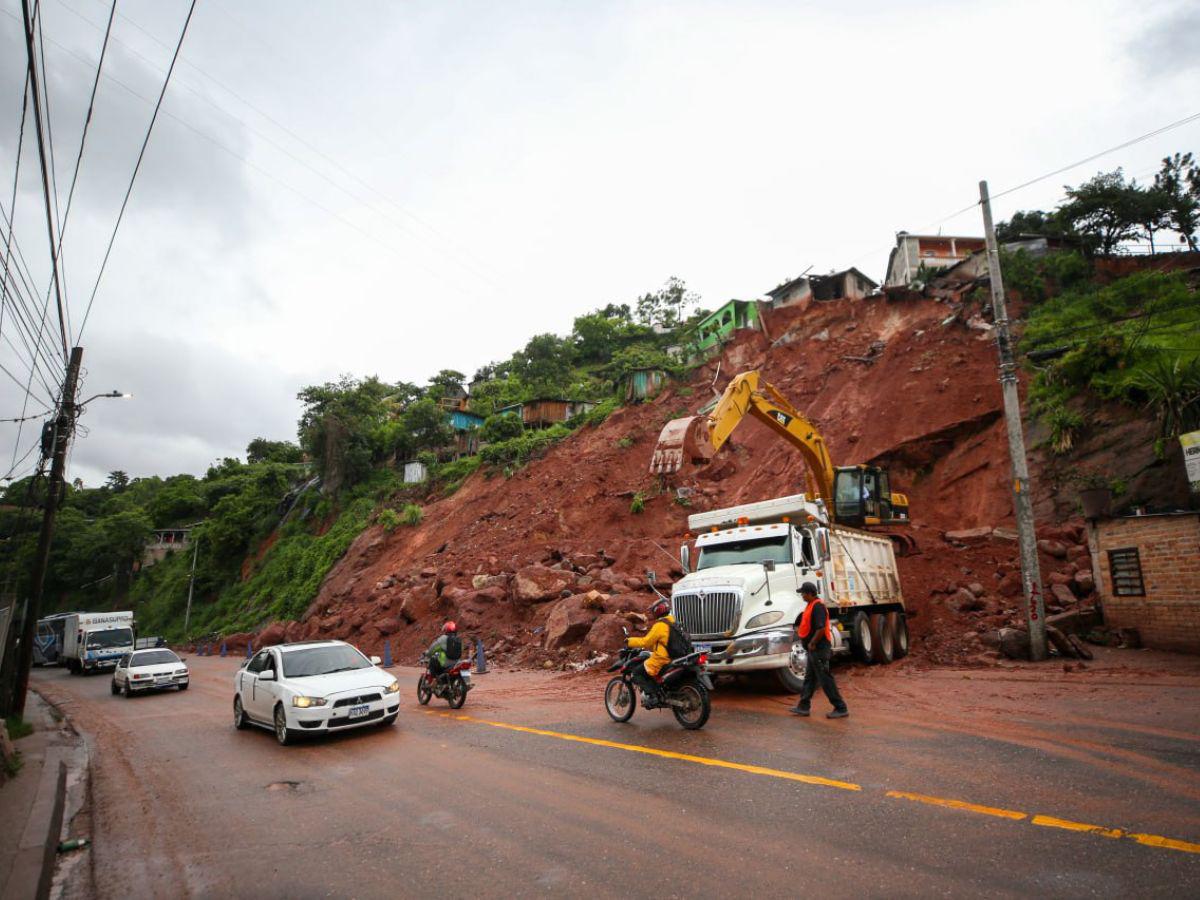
{"points": [[187, 615], [1033, 603], [61, 430]]}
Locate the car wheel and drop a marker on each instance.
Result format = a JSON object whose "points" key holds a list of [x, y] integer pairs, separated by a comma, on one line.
{"points": [[860, 638], [125, 690], [114, 688], [899, 628], [239, 714], [283, 734], [881, 639], [791, 677]]}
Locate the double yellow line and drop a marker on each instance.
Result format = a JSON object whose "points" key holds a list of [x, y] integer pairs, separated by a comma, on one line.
{"points": [[1149, 840]]}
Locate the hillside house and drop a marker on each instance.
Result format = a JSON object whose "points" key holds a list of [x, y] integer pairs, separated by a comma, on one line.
{"points": [[642, 384], [849, 284], [164, 541], [930, 251], [546, 411], [715, 328], [466, 427]]}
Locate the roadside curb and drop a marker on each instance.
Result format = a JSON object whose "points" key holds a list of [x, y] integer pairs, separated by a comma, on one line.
{"points": [[33, 867]]}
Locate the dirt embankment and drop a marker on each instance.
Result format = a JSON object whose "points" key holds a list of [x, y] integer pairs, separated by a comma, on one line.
{"points": [[546, 565]]}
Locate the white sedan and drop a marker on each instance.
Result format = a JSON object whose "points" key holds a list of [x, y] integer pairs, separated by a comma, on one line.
{"points": [[313, 686], [147, 670]]}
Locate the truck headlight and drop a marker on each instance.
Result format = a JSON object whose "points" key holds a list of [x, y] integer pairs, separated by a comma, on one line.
{"points": [[764, 619], [393, 688], [306, 702]]}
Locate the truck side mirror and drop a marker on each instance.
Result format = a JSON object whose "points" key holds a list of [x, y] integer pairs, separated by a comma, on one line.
{"points": [[823, 544], [768, 565], [685, 557]]}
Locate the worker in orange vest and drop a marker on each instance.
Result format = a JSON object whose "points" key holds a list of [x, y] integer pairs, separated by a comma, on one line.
{"points": [[814, 633]]}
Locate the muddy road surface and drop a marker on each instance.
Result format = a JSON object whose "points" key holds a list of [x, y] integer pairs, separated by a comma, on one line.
{"points": [[997, 783]]}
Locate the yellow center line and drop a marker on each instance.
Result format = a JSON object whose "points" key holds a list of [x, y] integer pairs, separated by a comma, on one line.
{"points": [[1148, 840], [665, 754], [959, 804]]}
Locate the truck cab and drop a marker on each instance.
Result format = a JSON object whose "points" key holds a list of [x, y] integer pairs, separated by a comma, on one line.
{"points": [[96, 641], [742, 601]]}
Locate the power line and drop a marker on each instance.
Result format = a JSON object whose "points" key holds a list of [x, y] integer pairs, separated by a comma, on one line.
{"points": [[137, 166], [37, 117], [37, 415], [53, 167]]}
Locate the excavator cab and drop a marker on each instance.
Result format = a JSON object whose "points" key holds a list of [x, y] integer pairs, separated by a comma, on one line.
{"points": [[862, 495]]}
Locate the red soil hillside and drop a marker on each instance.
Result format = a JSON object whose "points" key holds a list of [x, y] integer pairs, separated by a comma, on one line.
{"points": [[502, 553]]}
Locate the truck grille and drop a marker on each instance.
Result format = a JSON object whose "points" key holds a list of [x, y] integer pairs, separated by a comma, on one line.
{"points": [[711, 615]]}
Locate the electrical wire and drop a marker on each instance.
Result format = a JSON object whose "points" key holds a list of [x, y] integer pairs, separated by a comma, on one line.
{"points": [[45, 83], [37, 415], [136, 168]]}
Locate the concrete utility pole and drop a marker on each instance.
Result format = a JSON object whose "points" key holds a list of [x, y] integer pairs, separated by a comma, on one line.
{"points": [[1031, 577], [187, 614], [61, 430]]}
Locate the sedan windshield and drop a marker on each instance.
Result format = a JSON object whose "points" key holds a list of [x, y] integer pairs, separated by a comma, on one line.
{"points": [[322, 661], [154, 658], [113, 637], [755, 552]]}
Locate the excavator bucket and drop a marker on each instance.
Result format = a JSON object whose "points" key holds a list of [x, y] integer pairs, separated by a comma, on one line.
{"points": [[682, 441]]}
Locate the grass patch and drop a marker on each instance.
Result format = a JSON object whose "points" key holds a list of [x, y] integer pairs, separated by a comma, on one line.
{"points": [[18, 727], [411, 515]]}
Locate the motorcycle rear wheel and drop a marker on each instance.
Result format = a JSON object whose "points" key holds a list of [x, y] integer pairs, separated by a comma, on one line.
{"points": [[620, 700], [456, 693], [424, 691], [697, 706]]}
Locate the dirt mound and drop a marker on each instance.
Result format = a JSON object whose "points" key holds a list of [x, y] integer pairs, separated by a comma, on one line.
{"points": [[545, 565]]}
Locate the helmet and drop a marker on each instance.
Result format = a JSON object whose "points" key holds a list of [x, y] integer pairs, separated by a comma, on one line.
{"points": [[660, 608], [808, 588], [449, 628]]}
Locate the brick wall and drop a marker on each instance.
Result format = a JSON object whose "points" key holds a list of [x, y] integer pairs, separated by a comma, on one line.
{"points": [[1168, 616]]}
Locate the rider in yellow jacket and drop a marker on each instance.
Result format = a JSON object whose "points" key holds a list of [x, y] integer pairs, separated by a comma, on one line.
{"points": [[656, 642]]}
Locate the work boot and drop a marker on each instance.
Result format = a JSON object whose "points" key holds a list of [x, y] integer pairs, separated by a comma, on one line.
{"points": [[837, 714], [799, 710]]}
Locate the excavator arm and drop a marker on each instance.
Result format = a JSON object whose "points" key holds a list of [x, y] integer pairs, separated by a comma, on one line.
{"points": [[697, 438]]}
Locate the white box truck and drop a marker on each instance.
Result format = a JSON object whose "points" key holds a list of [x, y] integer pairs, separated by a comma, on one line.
{"points": [[742, 601], [95, 641]]}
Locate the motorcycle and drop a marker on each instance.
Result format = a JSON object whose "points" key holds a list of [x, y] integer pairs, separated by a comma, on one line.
{"points": [[451, 686], [683, 685]]}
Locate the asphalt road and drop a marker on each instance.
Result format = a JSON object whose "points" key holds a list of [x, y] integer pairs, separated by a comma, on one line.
{"points": [[939, 783]]}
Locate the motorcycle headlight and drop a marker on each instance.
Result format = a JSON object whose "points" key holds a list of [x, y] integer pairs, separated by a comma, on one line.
{"points": [[393, 688], [306, 702], [764, 619]]}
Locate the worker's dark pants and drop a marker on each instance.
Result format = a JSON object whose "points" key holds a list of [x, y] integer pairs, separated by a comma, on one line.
{"points": [[644, 680], [435, 667], [818, 673]]}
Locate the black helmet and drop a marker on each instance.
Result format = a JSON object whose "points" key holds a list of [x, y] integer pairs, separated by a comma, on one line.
{"points": [[808, 588], [660, 608]]}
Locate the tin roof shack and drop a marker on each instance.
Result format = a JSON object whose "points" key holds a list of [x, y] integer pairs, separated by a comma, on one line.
{"points": [[546, 411], [1148, 575], [930, 251], [466, 427], [164, 541], [849, 284], [642, 384], [714, 329]]}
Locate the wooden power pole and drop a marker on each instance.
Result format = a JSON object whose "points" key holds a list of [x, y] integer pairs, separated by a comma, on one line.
{"points": [[61, 430], [1031, 577]]}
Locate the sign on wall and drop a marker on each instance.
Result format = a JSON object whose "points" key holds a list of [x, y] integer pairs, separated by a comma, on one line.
{"points": [[1191, 458]]}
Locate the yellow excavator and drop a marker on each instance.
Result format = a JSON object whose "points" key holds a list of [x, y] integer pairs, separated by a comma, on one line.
{"points": [[859, 496]]}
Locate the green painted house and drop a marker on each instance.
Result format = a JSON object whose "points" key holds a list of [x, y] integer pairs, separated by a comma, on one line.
{"points": [[715, 329]]}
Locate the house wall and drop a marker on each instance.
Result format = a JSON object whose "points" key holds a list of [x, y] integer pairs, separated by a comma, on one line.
{"points": [[723, 322], [1168, 616], [932, 252]]}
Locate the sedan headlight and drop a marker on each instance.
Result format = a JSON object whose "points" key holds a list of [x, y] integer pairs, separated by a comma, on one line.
{"points": [[306, 702], [393, 688], [764, 619]]}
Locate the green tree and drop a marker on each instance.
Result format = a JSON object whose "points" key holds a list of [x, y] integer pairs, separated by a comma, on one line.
{"points": [[446, 383], [665, 307], [1179, 183], [263, 450], [337, 427], [1152, 208], [1032, 221], [426, 424], [500, 428], [544, 365], [1104, 211], [117, 481]]}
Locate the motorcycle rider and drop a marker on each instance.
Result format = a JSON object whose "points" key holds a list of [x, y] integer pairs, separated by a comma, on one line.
{"points": [[445, 650], [655, 641]]}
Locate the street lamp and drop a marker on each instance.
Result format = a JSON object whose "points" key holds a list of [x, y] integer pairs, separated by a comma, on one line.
{"points": [[111, 394]]}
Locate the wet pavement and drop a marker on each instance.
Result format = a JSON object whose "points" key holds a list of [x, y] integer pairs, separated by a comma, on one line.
{"points": [[941, 782]]}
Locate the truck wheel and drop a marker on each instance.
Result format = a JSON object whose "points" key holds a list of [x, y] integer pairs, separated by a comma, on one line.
{"points": [[881, 639], [861, 639], [898, 626], [791, 676]]}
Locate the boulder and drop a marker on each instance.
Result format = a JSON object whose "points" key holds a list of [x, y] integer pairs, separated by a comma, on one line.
{"points": [[975, 588], [1001, 533], [1013, 643], [387, 625], [1077, 553], [535, 583], [1063, 594], [1083, 583], [1054, 548], [1061, 578], [965, 601], [968, 535], [569, 621], [490, 594], [606, 634], [1078, 621], [272, 634], [414, 608]]}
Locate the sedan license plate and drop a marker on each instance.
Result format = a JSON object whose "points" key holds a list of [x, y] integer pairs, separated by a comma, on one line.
{"points": [[357, 712]]}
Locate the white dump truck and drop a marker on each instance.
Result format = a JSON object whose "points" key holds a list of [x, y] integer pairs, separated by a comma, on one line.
{"points": [[95, 641], [742, 601]]}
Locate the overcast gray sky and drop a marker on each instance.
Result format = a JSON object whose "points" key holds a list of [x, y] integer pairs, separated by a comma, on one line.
{"points": [[393, 188]]}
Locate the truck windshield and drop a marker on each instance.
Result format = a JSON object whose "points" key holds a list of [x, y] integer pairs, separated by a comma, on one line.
{"points": [[111, 637], [754, 552]]}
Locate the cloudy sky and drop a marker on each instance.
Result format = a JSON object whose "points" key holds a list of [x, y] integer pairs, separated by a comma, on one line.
{"points": [[396, 187]]}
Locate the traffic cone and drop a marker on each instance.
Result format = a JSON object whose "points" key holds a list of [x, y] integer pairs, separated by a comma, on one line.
{"points": [[387, 654], [249, 649], [480, 658], [223, 648]]}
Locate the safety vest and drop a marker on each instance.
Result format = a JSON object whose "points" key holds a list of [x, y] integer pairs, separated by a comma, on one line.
{"points": [[806, 621]]}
